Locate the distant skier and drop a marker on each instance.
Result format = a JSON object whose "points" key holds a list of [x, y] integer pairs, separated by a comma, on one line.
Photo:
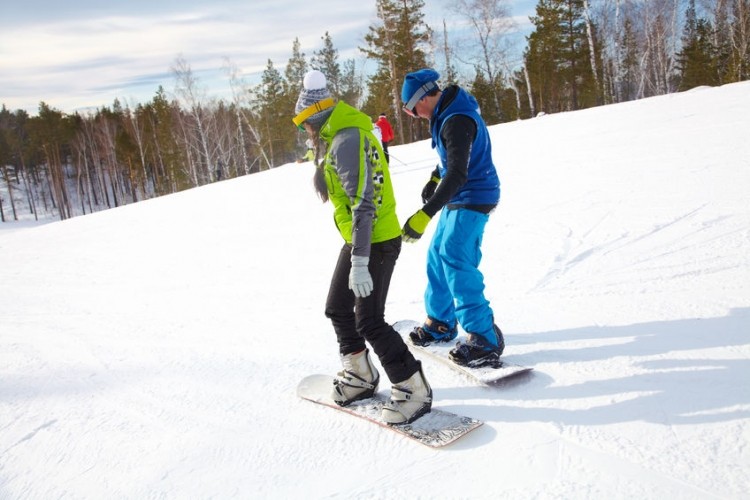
{"points": [[352, 173], [309, 154], [386, 132], [466, 187]]}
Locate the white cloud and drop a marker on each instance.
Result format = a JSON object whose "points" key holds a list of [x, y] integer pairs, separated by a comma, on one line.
{"points": [[86, 56], [90, 61]]}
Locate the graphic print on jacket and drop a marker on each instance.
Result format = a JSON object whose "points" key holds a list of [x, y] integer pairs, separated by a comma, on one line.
{"points": [[358, 180]]}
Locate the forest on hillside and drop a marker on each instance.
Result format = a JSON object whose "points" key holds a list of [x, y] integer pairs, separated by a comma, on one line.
{"points": [[579, 54]]}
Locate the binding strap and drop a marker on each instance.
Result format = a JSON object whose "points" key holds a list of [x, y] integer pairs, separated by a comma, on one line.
{"points": [[401, 395]]}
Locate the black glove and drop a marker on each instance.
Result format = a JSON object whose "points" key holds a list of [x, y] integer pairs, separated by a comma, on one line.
{"points": [[429, 188]]}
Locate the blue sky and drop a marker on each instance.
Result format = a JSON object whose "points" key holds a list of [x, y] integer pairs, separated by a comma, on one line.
{"points": [[86, 53]]}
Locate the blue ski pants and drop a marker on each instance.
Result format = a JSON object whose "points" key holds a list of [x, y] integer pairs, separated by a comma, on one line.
{"points": [[455, 286]]}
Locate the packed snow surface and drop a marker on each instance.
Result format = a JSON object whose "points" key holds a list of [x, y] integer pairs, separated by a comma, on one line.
{"points": [[153, 350]]}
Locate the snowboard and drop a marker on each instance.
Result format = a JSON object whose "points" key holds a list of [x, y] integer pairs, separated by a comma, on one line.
{"points": [[485, 374], [435, 429]]}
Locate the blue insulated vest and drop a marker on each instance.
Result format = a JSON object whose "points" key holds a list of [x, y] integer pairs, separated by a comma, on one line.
{"points": [[483, 185]]}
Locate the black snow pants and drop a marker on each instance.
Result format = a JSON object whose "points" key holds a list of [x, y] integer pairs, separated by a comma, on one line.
{"points": [[356, 320]]}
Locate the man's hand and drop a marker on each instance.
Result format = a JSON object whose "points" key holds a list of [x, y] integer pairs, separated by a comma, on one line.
{"points": [[415, 227], [429, 188]]}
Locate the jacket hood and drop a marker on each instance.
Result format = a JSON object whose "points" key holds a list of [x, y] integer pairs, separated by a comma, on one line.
{"points": [[344, 116]]}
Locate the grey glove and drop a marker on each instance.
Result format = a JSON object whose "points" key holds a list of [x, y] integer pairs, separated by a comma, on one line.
{"points": [[360, 280]]}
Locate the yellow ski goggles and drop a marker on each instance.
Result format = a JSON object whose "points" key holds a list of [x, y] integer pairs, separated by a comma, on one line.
{"points": [[311, 110]]}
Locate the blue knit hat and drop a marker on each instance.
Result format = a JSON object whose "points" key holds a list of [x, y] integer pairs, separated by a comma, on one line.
{"points": [[417, 85]]}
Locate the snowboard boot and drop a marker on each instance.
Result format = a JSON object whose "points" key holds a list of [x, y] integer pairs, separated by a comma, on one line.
{"points": [[477, 351], [358, 380], [410, 399], [432, 331]]}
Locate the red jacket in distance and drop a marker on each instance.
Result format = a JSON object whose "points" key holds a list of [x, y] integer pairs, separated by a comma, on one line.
{"points": [[385, 128]]}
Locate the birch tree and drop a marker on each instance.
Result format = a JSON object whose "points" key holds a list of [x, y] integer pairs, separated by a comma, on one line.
{"points": [[740, 40], [491, 22], [196, 129], [399, 44]]}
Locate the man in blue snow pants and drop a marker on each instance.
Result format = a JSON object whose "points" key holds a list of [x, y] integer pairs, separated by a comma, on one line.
{"points": [[466, 186]]}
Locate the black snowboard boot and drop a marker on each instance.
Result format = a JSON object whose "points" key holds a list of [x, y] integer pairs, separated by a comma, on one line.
{"points": [[477, 351], [432, 331]]}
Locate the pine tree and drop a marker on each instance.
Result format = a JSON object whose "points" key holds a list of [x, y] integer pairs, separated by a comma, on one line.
{"points": [[628, 63], [557, 57], [168, 156], [696, 61], [721, 40], [351, 84], [484, 92], [272, 107], [326, 60], [399, 46], [739, 68], [51, 132], [381, 101], [576, 71], [5, 157], [542, 55], [295, 71]]}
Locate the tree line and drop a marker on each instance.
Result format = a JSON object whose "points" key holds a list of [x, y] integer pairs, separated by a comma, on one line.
{"points": [[578, 54]]}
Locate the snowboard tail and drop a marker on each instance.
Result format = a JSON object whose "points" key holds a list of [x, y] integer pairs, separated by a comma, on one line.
{"points": [[435, 429], [439, 351]]}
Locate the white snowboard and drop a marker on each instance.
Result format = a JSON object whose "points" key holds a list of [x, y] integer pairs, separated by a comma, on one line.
{"points": [[435, 429], [485, 374]]}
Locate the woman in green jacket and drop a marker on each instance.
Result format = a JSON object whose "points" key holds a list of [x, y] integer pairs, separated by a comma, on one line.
{"points": [[351, 172]]}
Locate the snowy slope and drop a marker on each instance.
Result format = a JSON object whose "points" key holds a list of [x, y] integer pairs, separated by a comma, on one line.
{"points": [[152, 351]]}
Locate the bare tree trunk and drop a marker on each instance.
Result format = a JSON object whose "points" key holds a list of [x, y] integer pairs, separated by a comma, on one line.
{"points": [[740, 39], [137, 133], [80, 187], [93, 161], [48, 183], [529, 91], [160, 177], [29, 193], [257, 139], [236, 85], [55, 168], [512, 84], [192, 171], [89, 183], [491, 21], [9, 183], [242, 146], [592, 49], [672, 56], [395, 94], [616, 60], [188, 90], [447, 53]]}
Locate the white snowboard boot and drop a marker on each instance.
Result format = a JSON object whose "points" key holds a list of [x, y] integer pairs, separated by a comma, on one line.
{"points": [[358, 380], [410, 399]]}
